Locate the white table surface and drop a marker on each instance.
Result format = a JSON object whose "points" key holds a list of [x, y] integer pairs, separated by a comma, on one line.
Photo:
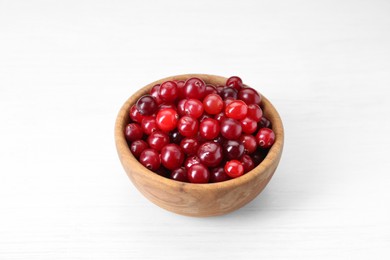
{"points": [[66, 67]]}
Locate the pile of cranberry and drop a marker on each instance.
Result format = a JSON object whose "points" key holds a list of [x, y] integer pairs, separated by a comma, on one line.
{"points": [[195, 132]]}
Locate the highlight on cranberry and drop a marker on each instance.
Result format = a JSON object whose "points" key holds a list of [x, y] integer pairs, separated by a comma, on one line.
{"points": [[199, 133]]}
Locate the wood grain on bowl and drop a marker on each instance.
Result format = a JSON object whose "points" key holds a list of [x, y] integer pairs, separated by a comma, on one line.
{"points": [[198, 199]]}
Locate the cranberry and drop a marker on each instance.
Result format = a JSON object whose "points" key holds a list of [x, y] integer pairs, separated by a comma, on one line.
{"points": [[175, 137], [228, 92], [249, 126], [180, 107], [168, 91], [192, 160], [157, 140], [209, 128], [188, 126], [231, 129], [172, 156], [234, 168], [203, 117], [249, 96], [167, 119], [195, 88], [150, 158], [135, 115], [189, 145], [233, 149], [265, 137], [219, 89], [254, 112], [213, 104], [210, 89], [146, 105], [258, 156], [154, 92], [236, 110], [210, 154], [133, 132], [137, 147], [149, 124], [179, 174], [180, 89], [167, 105], [193, 108], [234, 82], [264, 122], [227, 101], [218, 175], [220, 117], [198, 173], [249, 142], [162, 171], [247, 163]]}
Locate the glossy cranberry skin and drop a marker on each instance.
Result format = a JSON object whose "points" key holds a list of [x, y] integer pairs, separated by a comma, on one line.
{"points": [[198, 173], [180, 89], [157, 140], [210, 154], [249, 143], [168, 91], [220, 117], [231, 129], [146, 105], [179, 174], [154, 92], [180, 107], [254, 112], [233, 149], [137, 147], [234, 168], [175, 137], [236, 110], [209, 128], [249, 126], [135, 115], [167, 119], [234, 82], [247, 163], [193, 108], [188, 126], [213, 104], [189, 145], [133, 132], [210, 89], [195, 88], [249, 96], [228, 92], [149, 124], [218, 175], [265, 137], [150, 158], [167, 105], [264, 122], [192, 160], [172, 156]]}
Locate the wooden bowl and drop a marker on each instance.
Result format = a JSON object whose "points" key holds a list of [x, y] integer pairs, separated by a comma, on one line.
{"points": [[198, 200]]}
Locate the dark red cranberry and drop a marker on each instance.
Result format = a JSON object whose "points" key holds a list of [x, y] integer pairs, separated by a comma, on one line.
{"points": [[219, 117], [180, 107], [234, 82], [249, 96], [192, 160], [172, 156], [175, 137], [231, 129], [213, 104], [258, 156], [228, 92], [265, 138], [189, 145], [210, 154], [149, 124], [219, 89], [180, 89], [234, 168], [210, 89], [164, 172], [218, 175], [247, 163], [154, 92], [146, 105], [150, 158], [264, 122], [167, 119], [195, 88], [249, 126], [168, 91], [198, 173], [209, 128], [254, 112], [188, 126], [236, 110], [137, 147], [233, 149], [133, 132], [249, 142], [135, 115], [193, 108], [157, 140], [179, 174]]}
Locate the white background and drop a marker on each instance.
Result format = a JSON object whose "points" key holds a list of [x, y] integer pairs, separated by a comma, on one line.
{"points": [[66, 67]]}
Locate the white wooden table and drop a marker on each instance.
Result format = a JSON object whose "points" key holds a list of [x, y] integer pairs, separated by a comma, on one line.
{"points": [[66, 67]]}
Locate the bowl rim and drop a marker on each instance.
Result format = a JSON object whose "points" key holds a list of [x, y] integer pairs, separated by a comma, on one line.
{"points": [[125, 154]]}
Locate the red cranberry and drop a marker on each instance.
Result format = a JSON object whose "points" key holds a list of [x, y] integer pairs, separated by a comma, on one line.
{"points": [[189, 145], [167, 119], [228, 92], [264, 122], [231, 129], [150, 158], [168, 91], [180, 107], [167, 105], [236, 110], [218, 175], [209, 128], [210, 89], [146, 105], [254, 112], [179, 174], [220, 117], [133, 132], [227, 101], [193, 108], [249, 126], [149, 124], [172, 156], [137, 147], [234, 82], [198, 173], [265, 138], [213, 104], [157, 140], [210, 154], [180, 89], [195, 88], [247, 163], [233, 149], [234, 168], [192, 160], [135, 115], [249, 142], [188, 126], [249, 96], [154, 92], [203, 117]]}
